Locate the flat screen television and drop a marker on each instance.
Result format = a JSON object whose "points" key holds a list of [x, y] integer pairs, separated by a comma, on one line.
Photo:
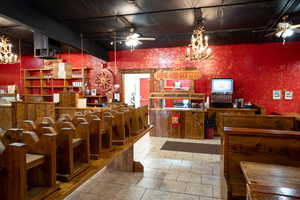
{"points": [[222, 85]]}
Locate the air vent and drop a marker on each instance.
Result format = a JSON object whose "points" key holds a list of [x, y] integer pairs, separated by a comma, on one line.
{"points": [[42, 47]]}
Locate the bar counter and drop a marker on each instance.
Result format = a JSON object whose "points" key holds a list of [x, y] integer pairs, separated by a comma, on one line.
{"points": [[190, 120]]}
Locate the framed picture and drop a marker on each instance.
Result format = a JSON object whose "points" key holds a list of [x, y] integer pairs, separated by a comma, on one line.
{"points": [[276, 94], [94, 92], [288, 95]]}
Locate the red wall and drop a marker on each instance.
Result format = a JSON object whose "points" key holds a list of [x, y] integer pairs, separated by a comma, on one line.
{"points": [[257, 69]]}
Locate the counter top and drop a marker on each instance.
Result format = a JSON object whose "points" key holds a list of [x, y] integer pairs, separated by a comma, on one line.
{"points": [[232, 109], [205, 110], [5, 105]]}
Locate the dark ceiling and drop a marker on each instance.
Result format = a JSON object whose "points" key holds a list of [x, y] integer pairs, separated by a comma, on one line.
{"points": [[170, 21], [17, 33]]}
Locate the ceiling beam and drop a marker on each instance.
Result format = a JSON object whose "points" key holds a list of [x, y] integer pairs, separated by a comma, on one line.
{"points": [[95, 35], [90, 19], [20, 12]]}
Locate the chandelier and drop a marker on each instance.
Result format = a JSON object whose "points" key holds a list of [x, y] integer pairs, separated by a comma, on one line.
{"points": [[198, 49], [6, 55]]}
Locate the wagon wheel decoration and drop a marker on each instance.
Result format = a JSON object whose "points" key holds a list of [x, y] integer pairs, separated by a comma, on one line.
{"points": [[104, 80]]}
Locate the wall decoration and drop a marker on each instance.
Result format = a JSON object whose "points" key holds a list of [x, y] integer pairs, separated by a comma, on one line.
{"points": [[94, 92], [104, 80], [178, 75], [276, 94], [288, 95]]}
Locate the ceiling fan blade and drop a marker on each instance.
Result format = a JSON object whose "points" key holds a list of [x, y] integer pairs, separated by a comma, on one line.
{"points": [[271, 34], [296, 30], [135, 35], [144, 38], [294, 26]]}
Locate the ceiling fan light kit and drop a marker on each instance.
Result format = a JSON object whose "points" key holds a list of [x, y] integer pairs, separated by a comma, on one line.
{"points": [[285, 29], [132, 40]]}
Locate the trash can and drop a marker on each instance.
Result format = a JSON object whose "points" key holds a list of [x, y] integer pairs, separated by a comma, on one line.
{"points": [[210, 129]]}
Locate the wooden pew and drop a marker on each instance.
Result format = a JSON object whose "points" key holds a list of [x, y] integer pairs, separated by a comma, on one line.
{"points": [[140, 119], [256, 145], [119, 134], [128, 118], [275, 122], [72, 146], [28, 169], [100, 128]]}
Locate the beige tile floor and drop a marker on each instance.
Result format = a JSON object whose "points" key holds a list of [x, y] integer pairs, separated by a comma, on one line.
{"points": [[168, 175]]}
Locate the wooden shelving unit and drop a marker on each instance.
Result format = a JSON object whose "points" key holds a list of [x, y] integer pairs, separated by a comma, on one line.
{"points": [[41, 82], [95, 100]]}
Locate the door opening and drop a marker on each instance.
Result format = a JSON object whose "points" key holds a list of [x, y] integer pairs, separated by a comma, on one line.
{"points": [[136, 89]]}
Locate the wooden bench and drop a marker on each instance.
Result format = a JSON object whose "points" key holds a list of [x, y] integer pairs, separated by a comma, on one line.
{"points": [[72, 146], [256, 145], [100, 136], [275, 122], [140, 120], [119, 134], [28, 169]]}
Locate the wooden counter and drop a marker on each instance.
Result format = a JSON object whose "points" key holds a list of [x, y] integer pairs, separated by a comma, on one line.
{"points": [[191, 123], [5, 117], [271, 182], [191, 120]]}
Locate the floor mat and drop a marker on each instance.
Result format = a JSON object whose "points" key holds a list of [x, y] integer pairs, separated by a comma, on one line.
{"points": [[191, 147]]}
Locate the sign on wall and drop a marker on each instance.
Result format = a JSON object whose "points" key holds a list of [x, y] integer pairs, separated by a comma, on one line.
{"points": [[178, 75]]}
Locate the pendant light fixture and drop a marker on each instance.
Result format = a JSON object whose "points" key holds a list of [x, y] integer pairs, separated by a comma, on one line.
{"points": [[6, 54]]}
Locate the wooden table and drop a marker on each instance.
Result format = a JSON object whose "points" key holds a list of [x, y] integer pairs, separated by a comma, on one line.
{"points": [[271, 182]]}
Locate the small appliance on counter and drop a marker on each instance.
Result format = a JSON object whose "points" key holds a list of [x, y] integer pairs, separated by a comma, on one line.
{"points": [[222, 90], [239, 103]]}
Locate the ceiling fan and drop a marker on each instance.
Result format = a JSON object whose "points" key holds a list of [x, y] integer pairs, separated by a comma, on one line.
{"points": [[132, 40], [285, 29]]}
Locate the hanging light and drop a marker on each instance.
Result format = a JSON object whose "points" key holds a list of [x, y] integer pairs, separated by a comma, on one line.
{"points": [[198, 49], [6, 55]]}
